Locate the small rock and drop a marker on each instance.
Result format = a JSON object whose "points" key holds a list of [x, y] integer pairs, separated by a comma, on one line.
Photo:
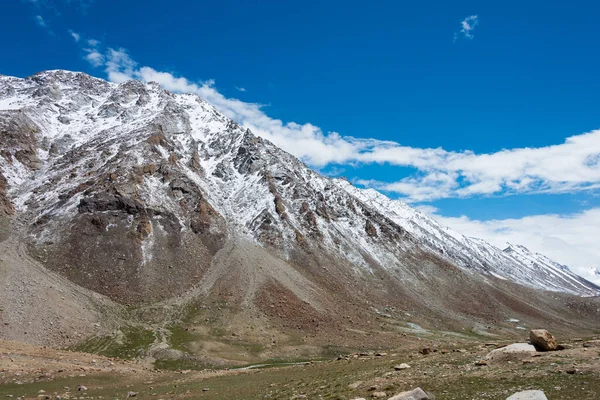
{"points": [[82, 388], [415, 394], [571, 371], [355, 385], [528, 395], [402, 366], [543, 340], [481, 363], [425, 350], [132, 394], [592, 343], [378, 395]]}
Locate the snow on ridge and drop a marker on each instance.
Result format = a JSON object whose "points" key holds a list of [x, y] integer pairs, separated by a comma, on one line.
{"points": [[80, 108]]}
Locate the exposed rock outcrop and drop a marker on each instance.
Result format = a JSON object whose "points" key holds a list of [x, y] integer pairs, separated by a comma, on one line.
{"points": [[543, 340]]}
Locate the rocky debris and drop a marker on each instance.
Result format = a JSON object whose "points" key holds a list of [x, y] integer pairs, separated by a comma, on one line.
{"points": [[132, 394], [481, 363], [144, 228], [6, 207], [157, 140], [279, 206], [148, 169], [82, 388], [426, 350], [370, 229], [19, 138], [195, 162], [415, 394], [528, 395], [378, 395], [543, 340], [401, 367], [110, 202], [592, 343]]}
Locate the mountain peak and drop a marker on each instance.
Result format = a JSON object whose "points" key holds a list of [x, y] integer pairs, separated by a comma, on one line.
{"points": [[151, 170]]}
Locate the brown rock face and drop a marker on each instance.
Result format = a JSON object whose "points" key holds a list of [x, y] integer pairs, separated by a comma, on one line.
{"points": [[6, 207], [543, 340], [370, 229]]}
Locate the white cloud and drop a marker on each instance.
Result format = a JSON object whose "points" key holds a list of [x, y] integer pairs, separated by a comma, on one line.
{"points": [[569, 166], [437, 173], [76, 36], [40, 21], [568, 239], [241, 89], [467, 26], [94, 57]]}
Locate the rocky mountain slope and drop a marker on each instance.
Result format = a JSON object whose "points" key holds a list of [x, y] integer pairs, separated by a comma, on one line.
{"points": [[515, 263], [143, 195]]}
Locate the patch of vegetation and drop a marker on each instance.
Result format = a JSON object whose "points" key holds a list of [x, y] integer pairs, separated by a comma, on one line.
{"points": [[181, 364], [180, 337], [135, 343]]}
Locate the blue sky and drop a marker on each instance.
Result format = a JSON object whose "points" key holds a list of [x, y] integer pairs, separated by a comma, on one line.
{"points": [[436, 103]]}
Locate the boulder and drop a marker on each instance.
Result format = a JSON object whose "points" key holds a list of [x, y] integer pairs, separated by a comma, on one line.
{"points": [[415, 394], [543, 340], [402, 366], [511, 349], [528, 395]]}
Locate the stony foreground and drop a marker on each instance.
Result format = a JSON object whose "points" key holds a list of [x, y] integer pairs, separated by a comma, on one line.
{"points": [[443, 371]]}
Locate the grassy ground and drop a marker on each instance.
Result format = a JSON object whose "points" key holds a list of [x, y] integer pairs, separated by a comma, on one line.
{"points": [[132, 343], [448, 375]]}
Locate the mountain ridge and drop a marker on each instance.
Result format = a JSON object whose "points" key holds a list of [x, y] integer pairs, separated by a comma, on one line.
{"points": [[149, 197]]}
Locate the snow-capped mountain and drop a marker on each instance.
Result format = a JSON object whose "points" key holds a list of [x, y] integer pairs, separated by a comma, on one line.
{"points": [[139, 193], [515, 262]]}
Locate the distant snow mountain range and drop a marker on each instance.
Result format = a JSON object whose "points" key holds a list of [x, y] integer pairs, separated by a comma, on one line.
{"points": [[153, 170]]}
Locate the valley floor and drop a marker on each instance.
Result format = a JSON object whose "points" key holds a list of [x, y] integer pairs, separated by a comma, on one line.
{"points": [[448, 372]]}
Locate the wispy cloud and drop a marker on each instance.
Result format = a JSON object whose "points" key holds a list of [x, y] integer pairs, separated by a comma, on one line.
{"points": [[467, 26], [241, 89], [40, 21], [436, 173], [76, 36], [94, 57], [568, 239], [45, 11]]}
